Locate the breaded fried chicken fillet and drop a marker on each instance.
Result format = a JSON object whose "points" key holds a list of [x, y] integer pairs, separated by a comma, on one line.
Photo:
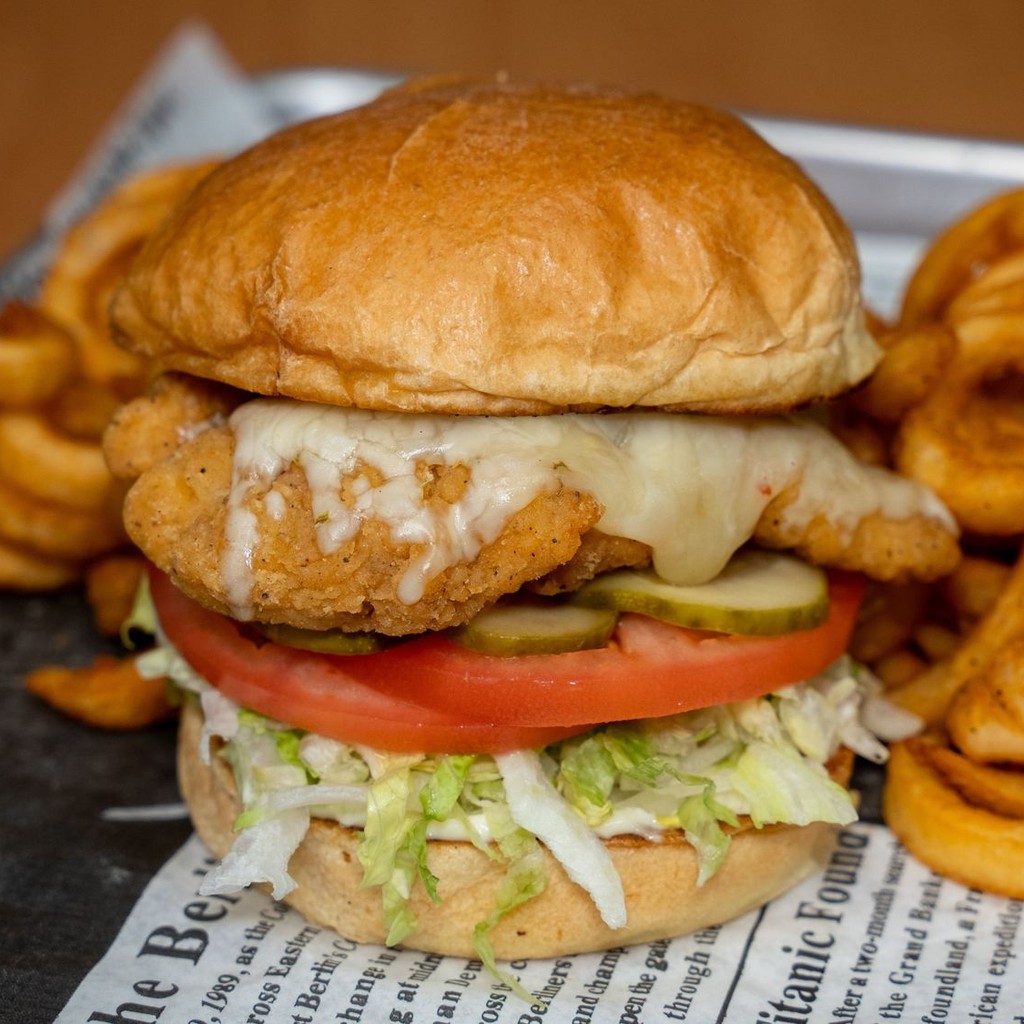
{"points": [[180, 513]]}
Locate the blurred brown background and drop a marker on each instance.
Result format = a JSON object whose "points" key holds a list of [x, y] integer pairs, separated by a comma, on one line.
{"points": [[943, 66]]}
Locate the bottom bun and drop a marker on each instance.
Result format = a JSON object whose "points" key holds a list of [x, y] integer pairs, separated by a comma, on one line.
{"points": [[659, 878]]}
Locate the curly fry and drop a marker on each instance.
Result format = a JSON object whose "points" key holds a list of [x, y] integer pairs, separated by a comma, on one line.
{"points": [[960, 429], [898, 667], [864, 437], [947, 833], [888, 617], [912, 365], [82, 409], [37, 357], [960, 254], [936, 641], [109, 694], [93, 258], [56, 531], [993, 303], [999, 790], [27, 571], [967, 444], [51, 467]]}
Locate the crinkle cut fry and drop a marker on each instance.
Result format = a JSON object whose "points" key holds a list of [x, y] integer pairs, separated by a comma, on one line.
{"points": [[930, 693], [986, 717]]}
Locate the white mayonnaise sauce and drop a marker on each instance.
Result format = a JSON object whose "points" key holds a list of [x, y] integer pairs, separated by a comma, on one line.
{"points": [[692, 487]]}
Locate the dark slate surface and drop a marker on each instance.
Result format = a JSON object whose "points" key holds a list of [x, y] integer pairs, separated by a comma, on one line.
{"points": [[67, 877]]}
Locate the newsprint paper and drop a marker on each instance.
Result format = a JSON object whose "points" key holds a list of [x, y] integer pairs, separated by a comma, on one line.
{"points": [[875, 937]]}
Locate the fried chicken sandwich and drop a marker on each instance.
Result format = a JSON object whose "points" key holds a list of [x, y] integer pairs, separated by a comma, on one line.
{"points": [[510, 592]]}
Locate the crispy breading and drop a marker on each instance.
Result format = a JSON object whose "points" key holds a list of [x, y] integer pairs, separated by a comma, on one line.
{"points": [[597, 553], [893, 550], [177, 513], [148, 429]]}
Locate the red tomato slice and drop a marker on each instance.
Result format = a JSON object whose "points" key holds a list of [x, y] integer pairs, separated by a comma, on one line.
{"points": [[652, 669], [430, 694], [315, 692]]}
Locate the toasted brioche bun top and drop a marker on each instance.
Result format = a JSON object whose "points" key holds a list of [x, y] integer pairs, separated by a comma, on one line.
{"points": [[481, 247]]}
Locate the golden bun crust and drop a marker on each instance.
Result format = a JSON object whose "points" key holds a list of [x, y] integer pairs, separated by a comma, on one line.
{"points": [[659, 879], [484, 247]]}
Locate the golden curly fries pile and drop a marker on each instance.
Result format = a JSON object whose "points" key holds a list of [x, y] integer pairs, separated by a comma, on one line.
{"points": [[947, 407], [62, 378]]}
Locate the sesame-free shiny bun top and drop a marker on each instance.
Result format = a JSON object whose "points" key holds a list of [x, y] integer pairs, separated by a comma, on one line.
{"points": [[487, 247]]}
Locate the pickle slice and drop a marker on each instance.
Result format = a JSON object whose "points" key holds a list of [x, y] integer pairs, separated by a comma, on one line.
{"points": [[326, 641], [759, 593], [511, 629]]}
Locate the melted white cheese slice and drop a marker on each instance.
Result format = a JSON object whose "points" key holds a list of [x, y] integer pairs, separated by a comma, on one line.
{"points": [[691, 487]]}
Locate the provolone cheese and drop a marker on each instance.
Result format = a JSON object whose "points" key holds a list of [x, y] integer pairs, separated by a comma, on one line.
{"points": [[691, 487]]}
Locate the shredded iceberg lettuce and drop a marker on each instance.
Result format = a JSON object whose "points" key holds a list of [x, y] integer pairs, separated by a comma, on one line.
{"points": [[701, 772], [537, 807], [524, 879], [701, 818]]}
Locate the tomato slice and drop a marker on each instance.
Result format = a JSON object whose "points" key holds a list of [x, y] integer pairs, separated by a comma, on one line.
{"points": [[430, 694], [651, 669], [315, 692]]}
